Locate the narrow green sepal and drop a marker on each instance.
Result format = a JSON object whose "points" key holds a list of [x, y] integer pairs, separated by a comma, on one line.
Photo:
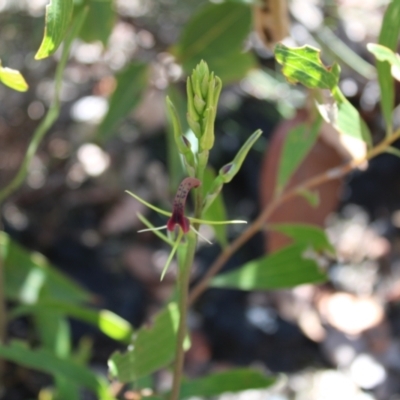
{"points": [[171, 255], [149, 225]]}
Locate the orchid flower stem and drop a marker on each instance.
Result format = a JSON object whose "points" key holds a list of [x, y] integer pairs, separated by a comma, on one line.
{"points": [[183, 290], [184, 280], [259, 222]]}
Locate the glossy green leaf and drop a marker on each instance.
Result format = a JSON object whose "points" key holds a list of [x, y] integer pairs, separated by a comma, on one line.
{"points": [[298, 143], [231, 381], [303, 64], [106, 321], [29, 276], [13, 79], [288, 267], [216, 211], [151, 349], [349, 121], [92, 30], [383, 53], [58, 18], [217, 34], [130, 86], [388, 37], [311, 235], [45, 361]]}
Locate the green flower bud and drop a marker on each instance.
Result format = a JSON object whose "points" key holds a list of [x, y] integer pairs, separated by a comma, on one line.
{"points": [[228, 171], [194, 125], [204, 86], [217, 91], [196, 86], [190, 98], [207, 138], [202, 72], [199, 104]]}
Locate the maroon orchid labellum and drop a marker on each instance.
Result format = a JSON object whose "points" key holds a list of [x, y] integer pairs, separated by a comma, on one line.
{"points": [[177, 217], [178, 207]]}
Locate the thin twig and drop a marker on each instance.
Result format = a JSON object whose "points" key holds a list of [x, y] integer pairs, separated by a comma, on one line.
{"points": [[259, 222]]}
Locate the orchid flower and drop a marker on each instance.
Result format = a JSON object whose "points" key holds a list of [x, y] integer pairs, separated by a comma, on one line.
{"points": [[177, 218]]}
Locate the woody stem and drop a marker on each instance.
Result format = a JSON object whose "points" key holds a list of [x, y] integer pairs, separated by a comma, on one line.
{"points": [[262, 218]]}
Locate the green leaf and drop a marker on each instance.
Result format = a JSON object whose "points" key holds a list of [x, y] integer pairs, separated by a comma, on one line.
{"points": [[92, 30], [217, 34], [216, 211], [13, 79], [58, 17], [298, 143], [393, 150], [232, 381], [107, 322], [45, 361], [151, 349], [285, 268], [388, 37], [232, 67], [29, 276], [303, 64], [311, 196], [345, 118], [309, 235], [349, 121], [130, 86], [54, 332], [383, 53]]}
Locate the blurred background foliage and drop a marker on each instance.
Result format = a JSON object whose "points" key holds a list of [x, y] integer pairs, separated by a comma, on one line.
{"points": [[340, 340]]}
